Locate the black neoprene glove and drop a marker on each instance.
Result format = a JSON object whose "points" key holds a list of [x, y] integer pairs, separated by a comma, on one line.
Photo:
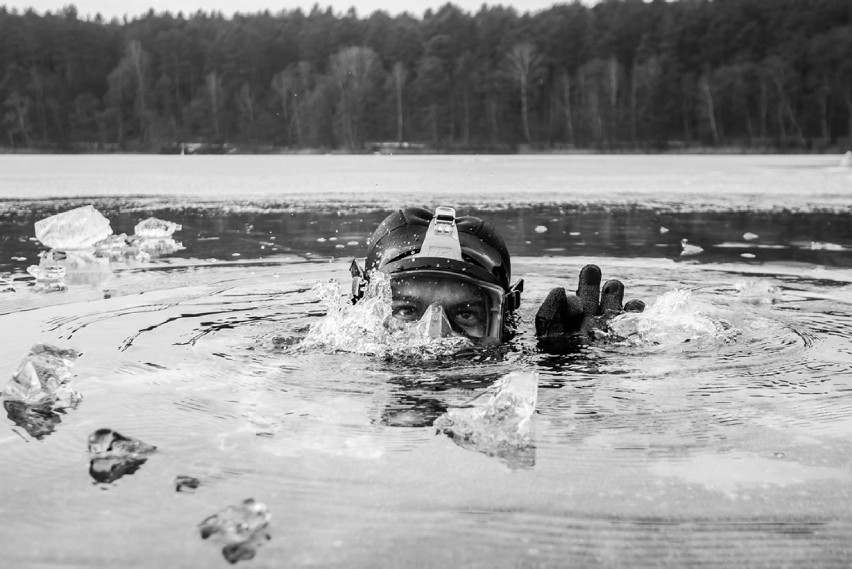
{"points": [[565, 321]]}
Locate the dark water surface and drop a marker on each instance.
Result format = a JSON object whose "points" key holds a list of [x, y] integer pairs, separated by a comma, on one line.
{"points": [[730, 449]]}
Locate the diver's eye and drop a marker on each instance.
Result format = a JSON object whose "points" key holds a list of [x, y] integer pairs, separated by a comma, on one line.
{"points": [[468, 316], [405, 312]]}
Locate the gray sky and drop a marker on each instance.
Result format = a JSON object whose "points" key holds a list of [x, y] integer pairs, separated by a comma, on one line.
{"points": [[118, 8]]}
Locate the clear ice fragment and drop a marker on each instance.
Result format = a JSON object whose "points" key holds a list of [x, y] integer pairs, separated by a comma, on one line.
{"points": [[78, 228], [236, 523], [496, 422], [688, 249], [47, 273], [153, 228], [241, 528], [42, 372], [109, 443]]}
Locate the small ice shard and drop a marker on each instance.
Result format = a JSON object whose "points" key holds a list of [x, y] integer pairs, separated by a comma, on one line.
{"points": [[352, 243], [757, 292], [574, 234], [47, 273], [40, 375], [158, 246], [540, 229], [664, 230], [186, 483], [78, 228], [49, 278], [747, 255], [846, 160], [114, 247], [820, 246], [689, 249], [153, 237], [497, 422], [321, 240], [241, 528], [107, 443], [19, 259], [114, 455], [749, 236], [153, 228]]}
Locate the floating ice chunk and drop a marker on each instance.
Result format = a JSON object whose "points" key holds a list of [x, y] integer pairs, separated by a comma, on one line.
{"points": [[496, 422], [689, 249], [19, 259], [321, 239], [747, 255], [749, 236], [241, 528], [820, 246], [846, 160], [186, 483], [757, 292], [78, 228], [40, 375], [236, 523], [47, 273], [663, 229], [540, 229], [114, 455], [107, 443], [153, 228], [49, 278], [574, 234], [352, 243], [114, 246]]}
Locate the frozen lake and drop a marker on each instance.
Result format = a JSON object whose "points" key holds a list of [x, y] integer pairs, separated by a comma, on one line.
{"points": [[729, 449]]}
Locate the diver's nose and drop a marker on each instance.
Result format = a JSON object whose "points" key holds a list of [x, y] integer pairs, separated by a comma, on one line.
{"points": [[434, 322]]}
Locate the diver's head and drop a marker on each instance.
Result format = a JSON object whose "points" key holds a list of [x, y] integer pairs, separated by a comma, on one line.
{"points": [[450, 274]]}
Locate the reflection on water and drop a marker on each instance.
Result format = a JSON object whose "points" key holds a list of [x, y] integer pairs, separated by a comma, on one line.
{"points": [[712, 431]]}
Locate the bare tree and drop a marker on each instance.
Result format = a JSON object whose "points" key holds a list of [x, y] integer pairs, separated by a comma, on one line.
{"points": [[400, 74], [352, 69], [525, 64]]}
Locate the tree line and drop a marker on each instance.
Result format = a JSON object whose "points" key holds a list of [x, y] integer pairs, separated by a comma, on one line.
{"points": [[618, 75]]}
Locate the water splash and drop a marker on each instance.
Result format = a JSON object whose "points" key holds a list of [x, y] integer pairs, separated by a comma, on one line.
{"points": [[369, 327], [675, 318]]}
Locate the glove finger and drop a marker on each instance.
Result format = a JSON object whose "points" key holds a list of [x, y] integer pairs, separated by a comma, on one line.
{"points": [[549, 319], [589, 289], [558, 315], [634, 306], [612, 295]]}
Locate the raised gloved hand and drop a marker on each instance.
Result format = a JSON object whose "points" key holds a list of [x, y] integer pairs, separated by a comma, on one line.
{"points": [[565, 321]]}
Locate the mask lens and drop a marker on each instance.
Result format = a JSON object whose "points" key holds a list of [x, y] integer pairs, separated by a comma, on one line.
{"points": [[471, 308]]}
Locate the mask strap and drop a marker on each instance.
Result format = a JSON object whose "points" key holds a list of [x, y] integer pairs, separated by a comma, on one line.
{"points": [[512, 299], [358, 281]]}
